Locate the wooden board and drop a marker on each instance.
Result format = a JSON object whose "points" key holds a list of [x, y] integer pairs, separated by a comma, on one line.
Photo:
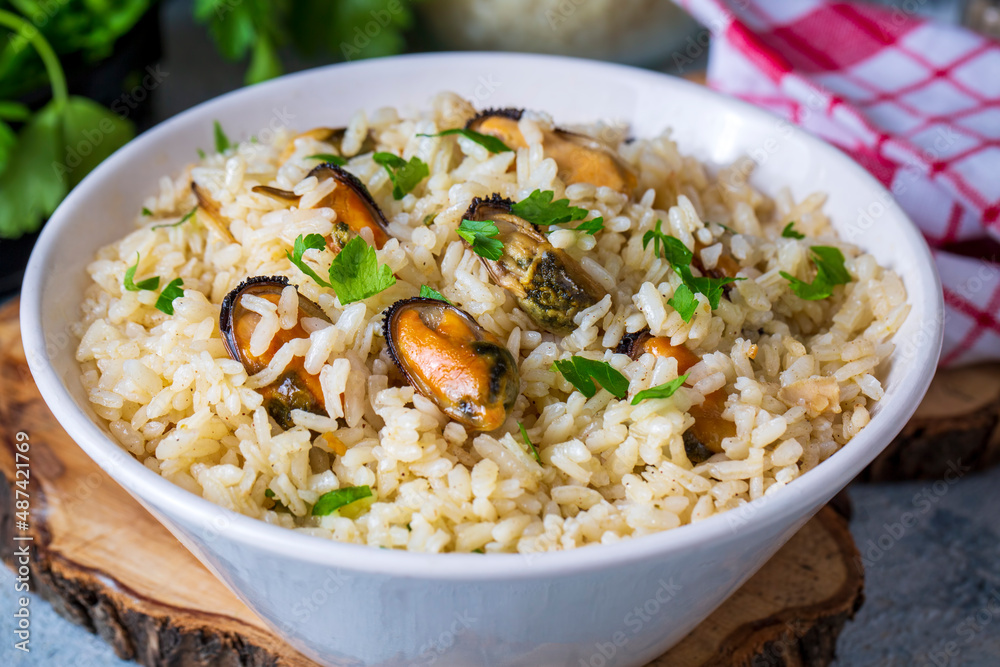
{"points": [[105, 563]]}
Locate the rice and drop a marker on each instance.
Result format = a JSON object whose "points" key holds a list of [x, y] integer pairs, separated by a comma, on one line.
{"points": [[800, 378]]}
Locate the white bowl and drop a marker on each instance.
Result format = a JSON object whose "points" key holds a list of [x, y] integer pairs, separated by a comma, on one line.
{"points": [[343, 604]]}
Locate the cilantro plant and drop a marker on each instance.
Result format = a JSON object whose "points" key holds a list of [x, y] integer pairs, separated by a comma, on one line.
{"points": [[538, 208], [404, 175], [354, 273], [35, 171], [830, 271], [581, 373]]}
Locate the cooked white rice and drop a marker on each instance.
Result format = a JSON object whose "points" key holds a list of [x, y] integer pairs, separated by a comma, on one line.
{"points": [[801, 376]]}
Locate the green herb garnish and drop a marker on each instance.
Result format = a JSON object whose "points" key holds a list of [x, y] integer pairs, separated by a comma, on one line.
{"points": [[221, 140], [538, 208], [679, 258], [334, 500], [328, 157], [478, 551], [165, 302], [790, 233], [146, 211], [429, 219], [430, 293], [830, 271], [354, 274], [201, 154], [665, 390], [187, 216], [580, 372], [527, 441], [683, 302], [268, 493], [490, 143], [404, 175], [149, 284], [481, 235]]}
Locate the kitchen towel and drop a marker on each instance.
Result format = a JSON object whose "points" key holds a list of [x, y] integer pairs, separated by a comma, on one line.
{"points": [[915, 102]]}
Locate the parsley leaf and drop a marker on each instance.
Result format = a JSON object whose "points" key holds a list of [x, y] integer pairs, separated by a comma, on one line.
{"points": [[492, 144], [187, 216], [591, 226], [527, 441], [149, 284], [539, 208], [303, 243], [165, 302], [679, 258], [221, 140], [334, 500], [830, 271], [665, 390], [268, 493], [790, 233], [580, 372], [404, 175], [430, 293], [355, 273], [328, 157], [683, 302], [201, 154], [481, 237], [146, 211]]}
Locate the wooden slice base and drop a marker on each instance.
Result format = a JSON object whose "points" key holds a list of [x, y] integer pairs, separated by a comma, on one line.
{"points": [[105, 563]]}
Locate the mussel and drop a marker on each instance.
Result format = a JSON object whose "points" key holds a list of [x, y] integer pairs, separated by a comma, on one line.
{"points": [[581, 159], [705, 437], [213, 218], [295, 389], [328, 135], [350, 200], [548, 284], [446, 356]]}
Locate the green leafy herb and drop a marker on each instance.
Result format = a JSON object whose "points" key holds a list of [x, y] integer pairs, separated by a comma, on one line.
{"points": [[303, 243], [221, 140], [679, 257], [334, 500], [478, 551], [404, 175], [201, 154], [165, 302], [15, 111], [149, 284], [580, 372], [527, 441], [187, 216], [665, 390], [429, 219], [430, 293], [683, 302], [590, 226], [328, 157], [539, 209], [790, 233], [146, 212], [355, 273], [268, 493], [830, 271], [481, 235], [492, 144]]}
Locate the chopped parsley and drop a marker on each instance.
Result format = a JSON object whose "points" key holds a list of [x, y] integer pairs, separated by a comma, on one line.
{"points": [[201, 153], [328, 157], [679, 258], [830, 271], [149, 284], [404, 175], [581, 372], [683, 302], [222, 143], [481, 235], [789, 233], [165, 302], [146, 211], [187, 216], [527, 441], [492, 144], [354, 274], [334, 500], [268, 493], [538, 208], [429, 219], [665, 390], [430, 293], [478, 551]]}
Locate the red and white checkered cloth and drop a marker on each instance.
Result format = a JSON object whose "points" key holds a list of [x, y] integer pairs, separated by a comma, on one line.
{"points": [[915, 102]]}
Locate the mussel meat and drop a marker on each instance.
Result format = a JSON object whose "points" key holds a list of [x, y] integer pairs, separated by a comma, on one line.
{"points": [[581, 159], [446, 356], [350, 200], [295, 389], [213, 219], [709, 427], [548, 284], [332, 136]]}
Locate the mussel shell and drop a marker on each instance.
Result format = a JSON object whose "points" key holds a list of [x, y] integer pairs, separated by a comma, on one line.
{"points": [[548, 284], [374, 218], [295, 389], [632, 343], [482, 402]]}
